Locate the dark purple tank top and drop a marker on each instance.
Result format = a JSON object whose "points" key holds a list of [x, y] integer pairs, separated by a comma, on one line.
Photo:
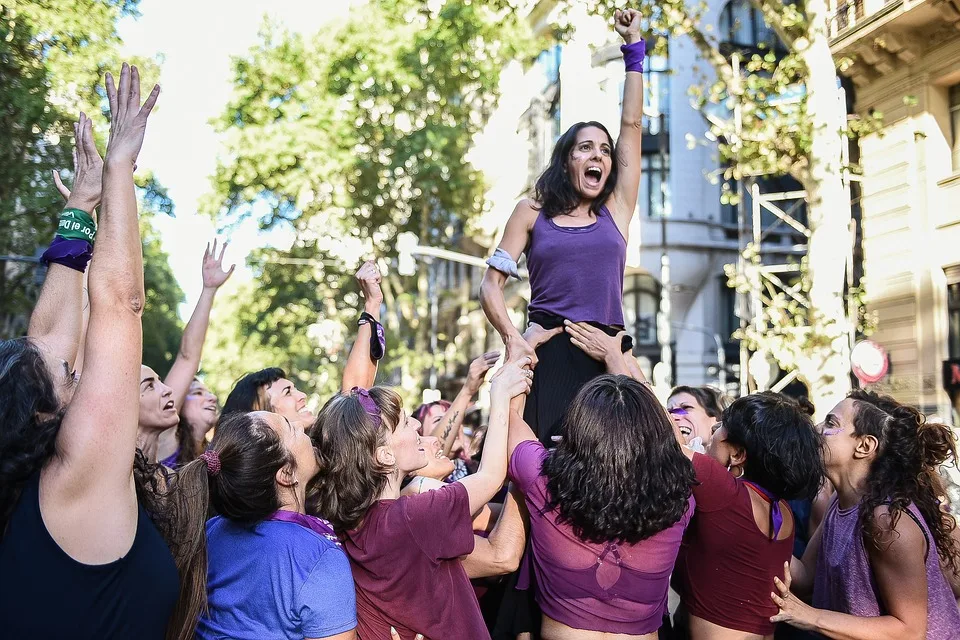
{"points": [[577, 272]]}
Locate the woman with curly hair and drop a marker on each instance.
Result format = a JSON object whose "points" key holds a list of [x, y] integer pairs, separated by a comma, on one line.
{"points": [[406, 551], [765, 452], [882, 562], [607, 511]]}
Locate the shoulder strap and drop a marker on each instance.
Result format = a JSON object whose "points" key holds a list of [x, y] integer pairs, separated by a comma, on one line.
{"points": [[923, 530]]}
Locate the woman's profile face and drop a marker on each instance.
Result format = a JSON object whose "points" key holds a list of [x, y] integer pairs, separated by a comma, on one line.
{"points": [[590, 162]]}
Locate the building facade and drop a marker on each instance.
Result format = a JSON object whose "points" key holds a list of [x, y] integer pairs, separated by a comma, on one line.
{"points": [[903, 57]]}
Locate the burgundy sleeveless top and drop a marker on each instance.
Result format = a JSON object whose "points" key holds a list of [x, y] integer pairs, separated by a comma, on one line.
{"points": [[844, 581], [577, 272]]}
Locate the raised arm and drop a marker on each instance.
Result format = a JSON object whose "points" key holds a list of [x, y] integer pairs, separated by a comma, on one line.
{"points": [[511, 380], [57, 320], [449, 426], [87, 491], [361, 368], [516, 236], [187, 364], [631, 119], [500, 553]]}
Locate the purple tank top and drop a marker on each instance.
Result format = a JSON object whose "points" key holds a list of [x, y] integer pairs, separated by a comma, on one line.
{"points": [[609, 587], [577, 272], [844, 581]]}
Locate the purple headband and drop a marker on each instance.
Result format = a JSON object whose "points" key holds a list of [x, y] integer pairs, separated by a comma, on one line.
{"points": [[366, 401]]}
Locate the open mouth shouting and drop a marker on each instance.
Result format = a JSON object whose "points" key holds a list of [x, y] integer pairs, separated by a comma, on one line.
{"points": [[169, 406], [593, 177]]}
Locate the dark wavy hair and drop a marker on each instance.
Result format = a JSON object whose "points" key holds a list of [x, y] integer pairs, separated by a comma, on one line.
{"points": [[248, 392], [712, 400], [30, 417], [905, 469], [346, 440], [30, 420], [784, 449], [554, 191], [618, 474]]}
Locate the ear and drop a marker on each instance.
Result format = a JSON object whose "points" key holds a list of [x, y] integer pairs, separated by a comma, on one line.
{"points": [[286, 476], [738, 457], [866, 447], [385, 457]]}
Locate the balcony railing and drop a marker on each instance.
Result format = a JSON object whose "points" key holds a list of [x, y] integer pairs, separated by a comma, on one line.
{"points": [[848, 14]]}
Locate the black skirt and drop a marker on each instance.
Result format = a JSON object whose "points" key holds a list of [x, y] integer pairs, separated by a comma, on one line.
{"points": [[561, 372]]}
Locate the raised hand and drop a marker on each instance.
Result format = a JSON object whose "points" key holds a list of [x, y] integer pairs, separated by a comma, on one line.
{"points": [[513, 378], [213, 274], [627, 23], [368, 277], [87, 170], [535, 335], [128, 119], [478, 369], [518, 348]]}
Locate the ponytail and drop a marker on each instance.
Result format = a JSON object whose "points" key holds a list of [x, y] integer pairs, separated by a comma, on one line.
{"points": [[188, 501]]}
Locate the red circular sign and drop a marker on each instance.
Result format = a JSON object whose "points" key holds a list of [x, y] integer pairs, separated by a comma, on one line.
{"points": [[869, 362]]}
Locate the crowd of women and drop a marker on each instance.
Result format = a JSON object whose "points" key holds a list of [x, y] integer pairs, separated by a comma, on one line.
{"points": [[571, 515]]}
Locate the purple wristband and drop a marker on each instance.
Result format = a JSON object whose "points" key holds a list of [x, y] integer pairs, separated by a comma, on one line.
{"points": [[69, 253], [633, 55]]}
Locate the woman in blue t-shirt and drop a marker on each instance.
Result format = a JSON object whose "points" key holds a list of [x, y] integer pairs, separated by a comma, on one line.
{"points": [[272, 571]]}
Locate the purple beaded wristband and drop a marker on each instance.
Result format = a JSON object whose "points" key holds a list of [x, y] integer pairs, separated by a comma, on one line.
{"points": [[633, 55], [74, 254]]}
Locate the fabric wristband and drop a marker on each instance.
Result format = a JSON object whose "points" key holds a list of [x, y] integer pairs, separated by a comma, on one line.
{"points": [[633, 55], [74, 254], [76, 224], [378, 339]]}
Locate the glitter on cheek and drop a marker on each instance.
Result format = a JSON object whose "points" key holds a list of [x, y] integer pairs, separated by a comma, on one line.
{"points": [[832, 431]]}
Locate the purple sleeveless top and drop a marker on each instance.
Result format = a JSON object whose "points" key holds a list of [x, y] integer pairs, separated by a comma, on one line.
{"points": [[844, 581], [577, 272], [613, 588]]}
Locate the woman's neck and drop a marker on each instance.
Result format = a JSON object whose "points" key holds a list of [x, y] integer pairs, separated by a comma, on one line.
{"points": [[392, 490], [148, 441], [850, 484], [293, 498]]}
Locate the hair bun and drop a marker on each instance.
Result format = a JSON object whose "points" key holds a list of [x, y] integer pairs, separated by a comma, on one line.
{"points": [[937, 443]]}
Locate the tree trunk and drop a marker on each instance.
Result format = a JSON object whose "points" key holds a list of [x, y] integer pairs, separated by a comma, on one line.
{"points": [[825, 365]]}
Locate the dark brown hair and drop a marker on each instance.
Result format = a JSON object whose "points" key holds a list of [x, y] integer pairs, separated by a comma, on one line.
{"points": [[618, 474], [905, 469], [712, 400], [555, 192], [346, 440], [244, 491]]}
